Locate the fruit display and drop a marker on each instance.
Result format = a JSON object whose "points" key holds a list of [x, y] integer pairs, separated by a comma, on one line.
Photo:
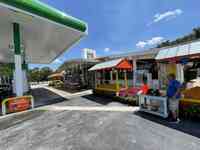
{"points": [[193, 93]]}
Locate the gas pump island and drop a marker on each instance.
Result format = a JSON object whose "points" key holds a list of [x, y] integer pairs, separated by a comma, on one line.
{"points": [[33, 32]]}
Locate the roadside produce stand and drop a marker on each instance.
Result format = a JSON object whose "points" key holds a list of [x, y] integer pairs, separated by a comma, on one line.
{"points": [[33, 32], [107, 76], [177, 59]]}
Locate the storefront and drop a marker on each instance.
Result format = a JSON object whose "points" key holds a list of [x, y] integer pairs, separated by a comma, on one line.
{"points": [[144, 64], [111, 77], [183, 61], [76, 72]]}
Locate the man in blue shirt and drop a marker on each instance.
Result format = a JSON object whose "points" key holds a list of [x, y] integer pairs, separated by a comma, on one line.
{"points": [[173, 94]]}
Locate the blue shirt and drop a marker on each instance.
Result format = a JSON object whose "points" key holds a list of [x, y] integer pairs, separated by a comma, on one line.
{"points": [[173, 86]]}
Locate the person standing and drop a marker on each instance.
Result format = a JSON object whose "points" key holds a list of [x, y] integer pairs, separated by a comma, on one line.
{"points": [[174, 95], [144, 88]]}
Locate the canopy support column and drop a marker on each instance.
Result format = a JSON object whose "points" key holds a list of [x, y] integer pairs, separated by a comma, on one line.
{"points": [[18, 60], [25, 79]]}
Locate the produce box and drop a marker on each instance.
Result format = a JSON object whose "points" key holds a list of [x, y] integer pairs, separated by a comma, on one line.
{"points": [[193, 93]]}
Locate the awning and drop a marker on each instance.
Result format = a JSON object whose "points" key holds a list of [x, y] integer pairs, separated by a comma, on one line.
{"points": [[180, 51], [113, 64], [45, 31], [56, 75]]}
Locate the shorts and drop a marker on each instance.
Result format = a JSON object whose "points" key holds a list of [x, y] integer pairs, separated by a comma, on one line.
{"points": [[173, 104]]}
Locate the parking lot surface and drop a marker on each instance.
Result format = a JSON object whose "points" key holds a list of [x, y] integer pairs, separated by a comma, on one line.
{"points": [[93, 123]]}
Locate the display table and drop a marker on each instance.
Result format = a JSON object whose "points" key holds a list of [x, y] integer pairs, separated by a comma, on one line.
{"points": [[154, 104]]}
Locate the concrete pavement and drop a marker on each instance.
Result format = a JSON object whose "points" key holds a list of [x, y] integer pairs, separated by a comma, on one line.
{"points": [[88, 123]]}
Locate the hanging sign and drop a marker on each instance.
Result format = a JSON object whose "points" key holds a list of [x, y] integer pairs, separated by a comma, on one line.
{"points": [[184, 61]]}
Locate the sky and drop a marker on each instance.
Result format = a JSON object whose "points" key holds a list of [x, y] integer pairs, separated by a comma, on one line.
{"points": [[120, 26]]}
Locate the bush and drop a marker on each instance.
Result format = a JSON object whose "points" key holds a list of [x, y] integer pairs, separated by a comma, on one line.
{"points": [[56, 83], [51, 83], [59, 84]]}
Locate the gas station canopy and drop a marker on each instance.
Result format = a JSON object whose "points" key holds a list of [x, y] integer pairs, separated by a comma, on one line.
{"points": [[45, 31]]}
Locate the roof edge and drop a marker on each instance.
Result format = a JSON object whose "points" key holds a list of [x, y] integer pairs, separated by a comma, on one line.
{"points": [[43, 10]]}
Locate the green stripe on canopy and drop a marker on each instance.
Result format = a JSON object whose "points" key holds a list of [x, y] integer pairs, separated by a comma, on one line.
{"points": [[40, 9]]}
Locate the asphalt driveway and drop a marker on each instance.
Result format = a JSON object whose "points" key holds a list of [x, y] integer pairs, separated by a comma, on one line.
{"points": [[93, 123]]}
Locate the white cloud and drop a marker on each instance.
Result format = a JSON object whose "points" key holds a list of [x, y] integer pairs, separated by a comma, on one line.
{"points": [[107, 50], [141, 44], [167, 15], [155, 40], [152, 41]]}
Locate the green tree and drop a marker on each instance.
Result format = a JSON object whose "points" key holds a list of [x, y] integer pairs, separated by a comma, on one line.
{"points": [[34, 75], [194, 35], [6, 69], [44, 73], [37, 74]]}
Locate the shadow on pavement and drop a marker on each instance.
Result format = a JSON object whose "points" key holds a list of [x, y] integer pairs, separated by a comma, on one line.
{"points": [[44, 97], [18, 119], [186, 126], [97, 99]]}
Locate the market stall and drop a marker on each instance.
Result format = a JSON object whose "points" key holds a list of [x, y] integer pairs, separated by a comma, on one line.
{"points": [[77, 74], [182, 60], [111, 76]]}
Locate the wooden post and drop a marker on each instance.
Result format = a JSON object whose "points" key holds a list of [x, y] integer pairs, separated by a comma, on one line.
{"points": [[111, 77], [95, 79], [134, 71], [117, 83], [180, 72], [103, 78], [125, 79]]}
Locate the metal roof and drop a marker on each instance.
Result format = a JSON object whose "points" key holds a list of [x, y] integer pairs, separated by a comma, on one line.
{"points": [[46, 32], [104, 65], [138, 54], [81, 60], [179, 51]]}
